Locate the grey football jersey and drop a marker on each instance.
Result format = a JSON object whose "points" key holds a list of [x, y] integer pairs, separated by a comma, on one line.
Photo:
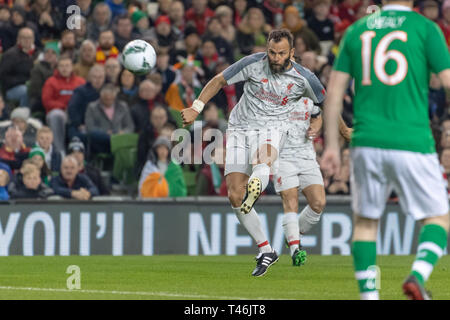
{"points": [[297, 145], [269, 98]]}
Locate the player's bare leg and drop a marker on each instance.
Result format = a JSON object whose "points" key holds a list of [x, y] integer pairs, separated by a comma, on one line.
{"points": [[236, 184], [432, 243], [290, 225], [257, 183]]}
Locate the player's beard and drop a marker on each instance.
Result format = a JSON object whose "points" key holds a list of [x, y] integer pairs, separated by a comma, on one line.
{"points": [[279, 68]]}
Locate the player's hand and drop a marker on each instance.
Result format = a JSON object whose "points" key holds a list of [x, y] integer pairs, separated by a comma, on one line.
{"points": [[312, 132], [348, 134], [330, 162], [188, 115]]}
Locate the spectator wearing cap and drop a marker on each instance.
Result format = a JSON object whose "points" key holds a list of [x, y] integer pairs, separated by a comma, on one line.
{"points": [[123, 31], [163, 32], [78, 103], [141, 23], [44, 140], [76, 149], [159, 160], [13, 151], [444, 23], [16, 65], [56, 94], [101, 20], [6, 177], [37, 156], [86, 59], [105, 117], [72, 184], [430, 9], [41, 71], [106, 48], [20, 119], [199, 15]]}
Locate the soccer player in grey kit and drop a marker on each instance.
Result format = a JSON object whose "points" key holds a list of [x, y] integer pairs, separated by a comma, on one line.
{"points": [[274, 83]]}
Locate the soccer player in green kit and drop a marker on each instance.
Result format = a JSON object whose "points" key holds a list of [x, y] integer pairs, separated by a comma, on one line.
{"points": [[390, 55]]}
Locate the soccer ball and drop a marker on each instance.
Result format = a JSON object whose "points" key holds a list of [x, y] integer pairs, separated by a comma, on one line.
{"points": [[138, 57]]}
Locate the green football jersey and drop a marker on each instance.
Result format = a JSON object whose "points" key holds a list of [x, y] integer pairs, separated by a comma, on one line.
{"points": [[391, 55]]}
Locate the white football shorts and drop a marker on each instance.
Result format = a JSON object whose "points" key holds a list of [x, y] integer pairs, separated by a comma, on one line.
{"points": [[241, 147], [299, 173], [415, 177]]}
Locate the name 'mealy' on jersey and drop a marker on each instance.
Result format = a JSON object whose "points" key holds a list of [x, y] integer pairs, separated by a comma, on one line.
{"points": [[297, 143], [269, 98]]}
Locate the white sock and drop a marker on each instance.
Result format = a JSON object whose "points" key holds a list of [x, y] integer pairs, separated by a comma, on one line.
{"points": [[308, 218], [252, 224], [370, 295], [262, 172], [291, 230]]}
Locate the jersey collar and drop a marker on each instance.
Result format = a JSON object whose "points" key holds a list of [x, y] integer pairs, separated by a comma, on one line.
{"points": [[396, 7]]}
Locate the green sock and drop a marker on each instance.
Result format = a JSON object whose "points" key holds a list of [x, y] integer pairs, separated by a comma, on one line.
{"points": [[432, 243], [364, 258]]}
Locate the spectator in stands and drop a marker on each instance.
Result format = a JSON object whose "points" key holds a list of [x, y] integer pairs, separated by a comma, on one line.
{"points": [[320, 23], [37, 156], [214, 32], [199, 14], [123, 32], [296, 25], [5, 178], [42, 70], [101, 21], [273, 12], [106, 48], [159, 160], [13, 151], [186, 88], [49, 22], [163, 32], [128, 87], [239, 11], [112, 71], [157, 80], [309, 60], [16, 65], [212, 117], [430, 9], [68, 44], [117, 7], [105, 117], [140, 111], [56, 94], [81, 32], [164, 69], [71, 183], [192, 43], [20, 119], [32, 186], [252, 32], [164, 7], [176, 15], [209, 58], [141, 23], [211, 179], [44, 140], [227, 29], [76, 149], [159, 117], [86, 59], [85, 7], [5, 15], [10, 31]]}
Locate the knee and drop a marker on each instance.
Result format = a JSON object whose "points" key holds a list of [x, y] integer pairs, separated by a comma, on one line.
{"points": [[235, 195], [318, 204], [290, 204]]}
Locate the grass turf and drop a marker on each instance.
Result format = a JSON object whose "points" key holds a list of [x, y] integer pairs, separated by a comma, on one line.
{"points": [[173, 277]]}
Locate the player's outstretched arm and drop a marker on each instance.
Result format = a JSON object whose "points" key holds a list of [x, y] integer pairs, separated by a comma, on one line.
{"points": [[209, 91]]}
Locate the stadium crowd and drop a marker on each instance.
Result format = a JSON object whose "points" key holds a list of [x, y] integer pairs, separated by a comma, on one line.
{"points": [[74, 123]]}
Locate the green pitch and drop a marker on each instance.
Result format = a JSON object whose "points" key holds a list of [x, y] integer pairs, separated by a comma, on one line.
{"points": [[203, 278]]}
